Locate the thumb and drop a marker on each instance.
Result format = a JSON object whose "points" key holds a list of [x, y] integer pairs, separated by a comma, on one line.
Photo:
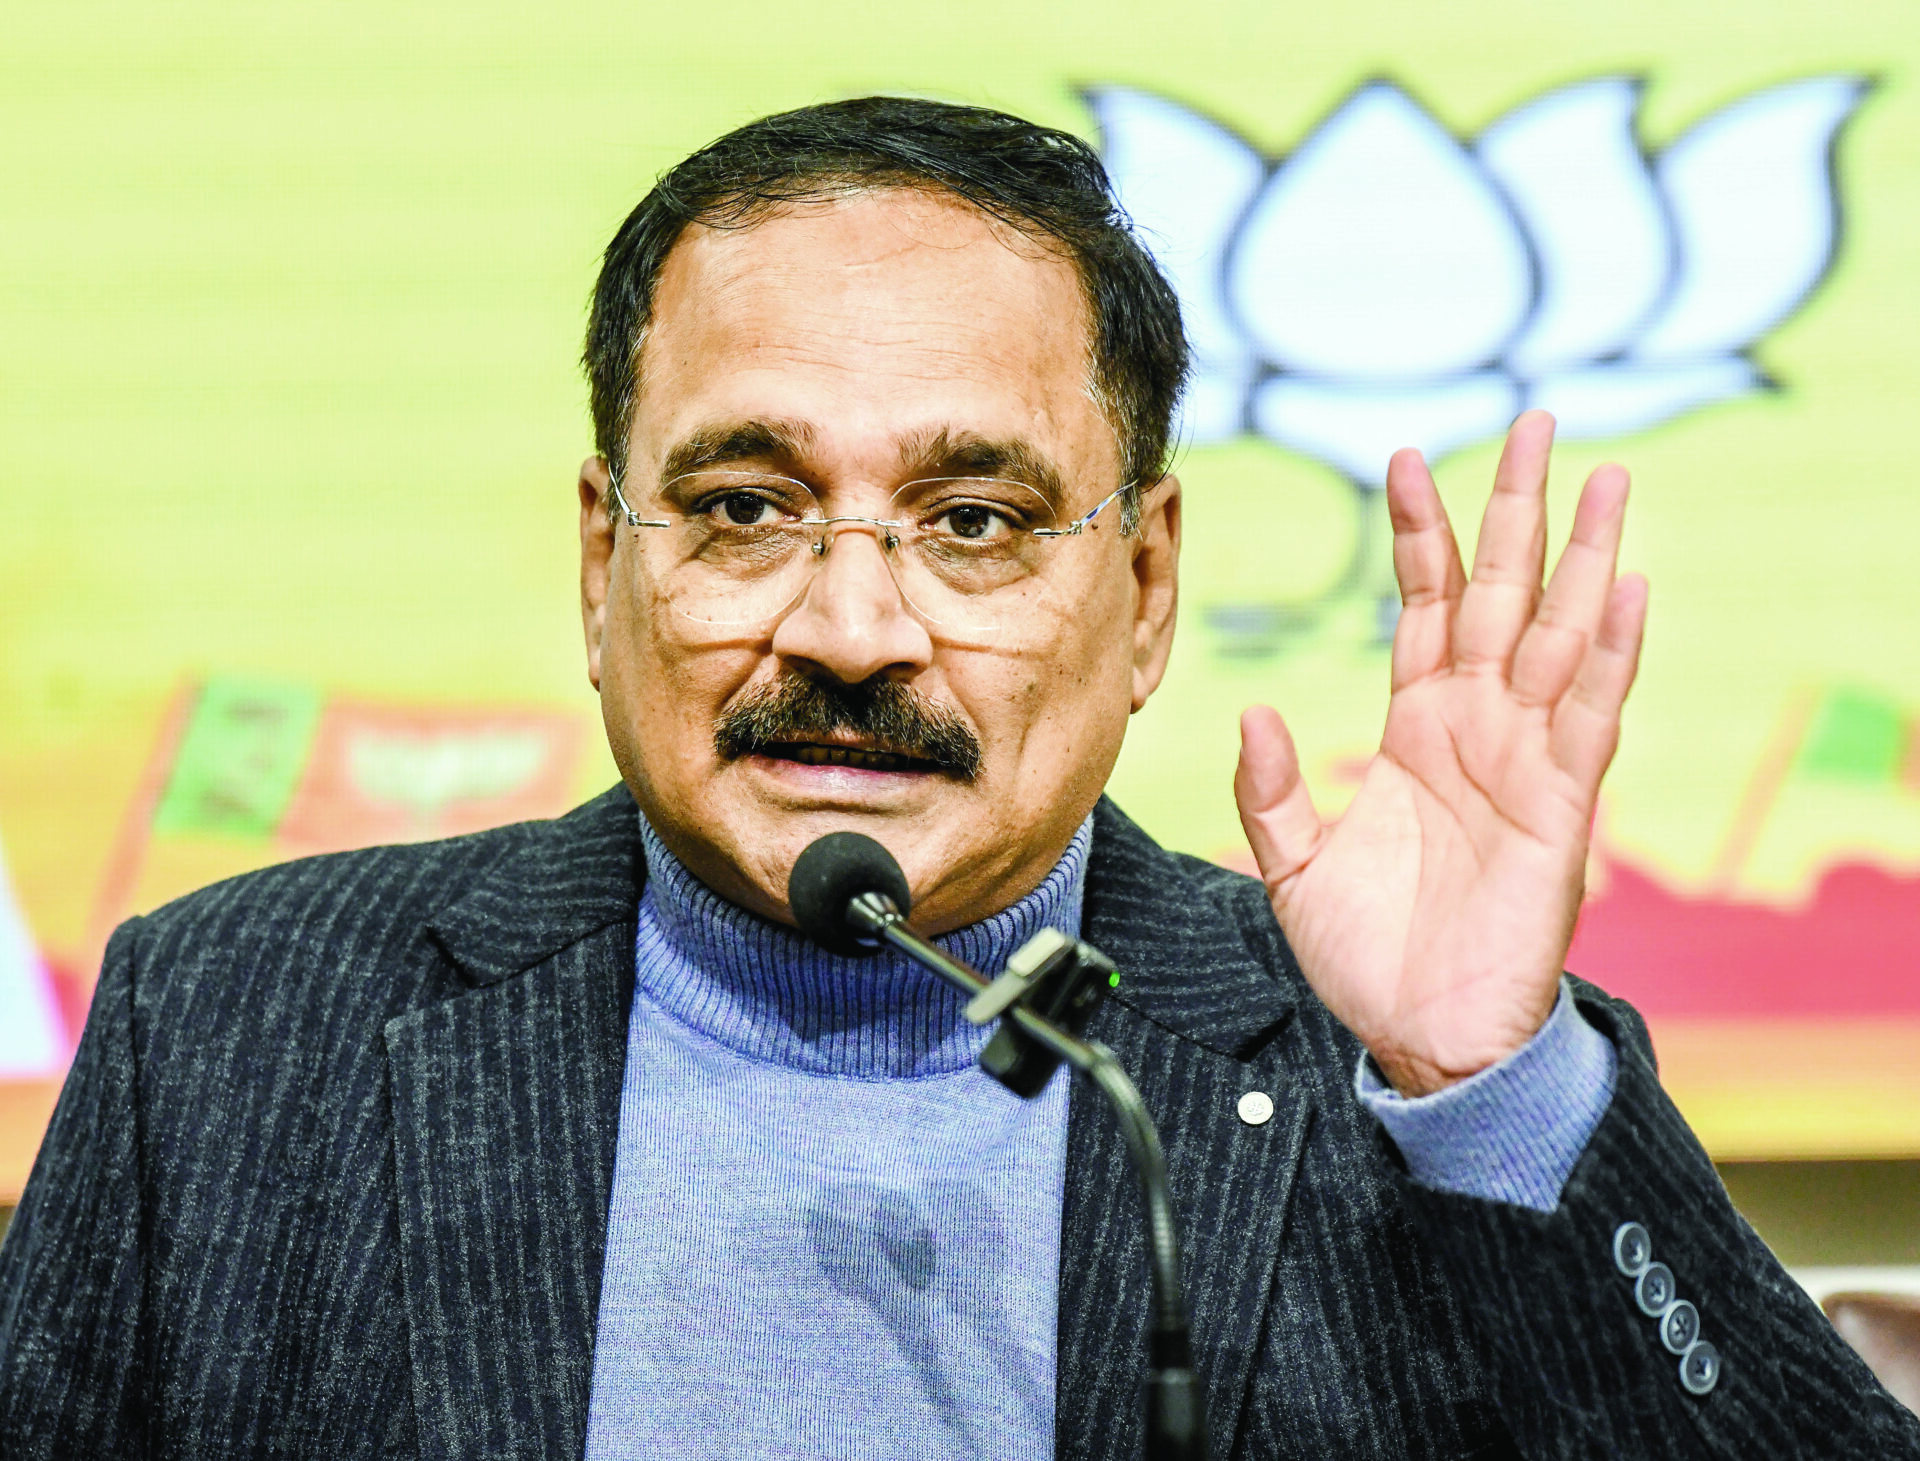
{"points": [[1275, 807]]}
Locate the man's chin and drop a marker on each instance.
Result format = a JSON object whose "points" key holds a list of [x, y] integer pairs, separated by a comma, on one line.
{"points": [[761, 812]]}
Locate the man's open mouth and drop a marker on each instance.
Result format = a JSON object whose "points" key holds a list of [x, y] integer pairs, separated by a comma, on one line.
{"points": [[809, 753]]}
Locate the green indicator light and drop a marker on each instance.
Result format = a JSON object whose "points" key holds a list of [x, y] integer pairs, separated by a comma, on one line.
{"points": [[1113, 980]]}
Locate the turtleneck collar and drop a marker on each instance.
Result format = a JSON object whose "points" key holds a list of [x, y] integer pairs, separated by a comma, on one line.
{"points": [[770, 994]]}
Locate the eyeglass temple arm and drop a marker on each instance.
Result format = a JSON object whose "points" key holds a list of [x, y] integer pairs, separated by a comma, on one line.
{"points": [[1078, 525], [634, 520]]}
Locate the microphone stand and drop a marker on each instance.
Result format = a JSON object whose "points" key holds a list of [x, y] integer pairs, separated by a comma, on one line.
{"points": [[1176, 1403]]}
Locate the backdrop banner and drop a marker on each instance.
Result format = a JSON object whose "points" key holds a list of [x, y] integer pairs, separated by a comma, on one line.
{"points": [[291, 416]]}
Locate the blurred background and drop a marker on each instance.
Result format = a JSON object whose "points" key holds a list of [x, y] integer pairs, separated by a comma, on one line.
{"points": [[291, 299]]}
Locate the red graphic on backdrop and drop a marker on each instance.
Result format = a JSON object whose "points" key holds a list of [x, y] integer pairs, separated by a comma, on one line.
{"points": [[1851, 951]]}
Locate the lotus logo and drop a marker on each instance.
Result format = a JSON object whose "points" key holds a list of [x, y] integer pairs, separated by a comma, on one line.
{"points": [[1387, 284]]}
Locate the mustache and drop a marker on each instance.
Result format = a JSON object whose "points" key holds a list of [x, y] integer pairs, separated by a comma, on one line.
{"points": [[885, 714]]}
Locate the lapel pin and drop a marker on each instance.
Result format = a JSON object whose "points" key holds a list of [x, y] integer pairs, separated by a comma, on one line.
{"points": [[1256, 1108]]}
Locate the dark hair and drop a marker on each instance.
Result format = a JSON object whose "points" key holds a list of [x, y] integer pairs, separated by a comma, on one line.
{"points": [[1048, 184]]}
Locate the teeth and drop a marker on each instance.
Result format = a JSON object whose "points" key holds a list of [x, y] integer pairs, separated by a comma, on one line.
{"points": [[849, 756]]}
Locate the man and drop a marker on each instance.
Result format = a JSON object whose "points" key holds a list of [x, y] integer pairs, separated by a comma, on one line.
{"points": [[560, 1139]]}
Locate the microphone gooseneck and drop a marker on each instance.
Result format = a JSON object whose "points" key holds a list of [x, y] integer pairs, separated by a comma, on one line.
{"points": [[847, 892]]}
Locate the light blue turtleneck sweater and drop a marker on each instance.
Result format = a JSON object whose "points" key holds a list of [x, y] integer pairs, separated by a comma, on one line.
{"points": [[831, 1235]]}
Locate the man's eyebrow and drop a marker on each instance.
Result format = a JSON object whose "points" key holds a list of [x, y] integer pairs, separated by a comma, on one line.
{"points": [[945, 453], [782, 443]]}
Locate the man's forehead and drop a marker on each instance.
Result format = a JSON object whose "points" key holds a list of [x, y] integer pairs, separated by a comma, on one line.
{"points": [[917, 323], [879, 268]]}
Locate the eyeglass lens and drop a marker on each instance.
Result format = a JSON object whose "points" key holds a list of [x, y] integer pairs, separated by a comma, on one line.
{"points": [[732, 548]]}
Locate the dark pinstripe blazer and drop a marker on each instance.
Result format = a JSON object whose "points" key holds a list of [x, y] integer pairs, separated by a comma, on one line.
{"points": [[330, 1178]]}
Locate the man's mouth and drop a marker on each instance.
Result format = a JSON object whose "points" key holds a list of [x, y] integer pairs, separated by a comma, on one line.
{"points": [[811, 753]]}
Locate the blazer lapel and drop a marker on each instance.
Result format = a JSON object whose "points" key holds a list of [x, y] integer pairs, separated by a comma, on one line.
{"points": [[1200, 1019], [505, 1101]]}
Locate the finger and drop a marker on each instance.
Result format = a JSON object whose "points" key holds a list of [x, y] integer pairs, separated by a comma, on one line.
{"points": [[1508, 558], [1426, 561], [1555, 644], [1586, 722], [1275, 807]]}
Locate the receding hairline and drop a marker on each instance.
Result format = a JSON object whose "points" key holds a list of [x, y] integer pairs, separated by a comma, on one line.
{"points": [[755, 205], [757, 209]]}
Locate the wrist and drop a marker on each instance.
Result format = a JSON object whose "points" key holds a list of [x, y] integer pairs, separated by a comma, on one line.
{"points": [[1514, 1132], [1414, 1076], [1419, 1061]]}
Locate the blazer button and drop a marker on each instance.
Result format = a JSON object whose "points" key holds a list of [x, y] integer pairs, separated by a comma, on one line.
{"points": [[1256, 1108], [1632, 1249], [1653, 1290], [1700, 1368], [1679, 1326]]}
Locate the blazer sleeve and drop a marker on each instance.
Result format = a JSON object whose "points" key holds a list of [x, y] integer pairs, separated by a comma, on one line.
{"points": [[71, 1268], [1579, 1369]]}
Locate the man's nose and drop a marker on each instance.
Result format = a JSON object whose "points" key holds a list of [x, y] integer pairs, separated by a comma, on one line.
{"points": [[852, 622]]}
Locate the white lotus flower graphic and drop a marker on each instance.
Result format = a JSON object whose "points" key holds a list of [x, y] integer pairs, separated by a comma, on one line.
{"points": [[1387, 284]]}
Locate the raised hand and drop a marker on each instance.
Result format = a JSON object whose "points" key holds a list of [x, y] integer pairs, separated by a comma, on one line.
{"points": [[1433, 917]]}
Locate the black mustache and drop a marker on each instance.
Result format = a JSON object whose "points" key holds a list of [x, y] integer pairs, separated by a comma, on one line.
{"points": [[885, 714]]}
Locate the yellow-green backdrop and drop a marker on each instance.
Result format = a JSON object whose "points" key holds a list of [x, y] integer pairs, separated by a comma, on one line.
{"points": [[290, 306]]}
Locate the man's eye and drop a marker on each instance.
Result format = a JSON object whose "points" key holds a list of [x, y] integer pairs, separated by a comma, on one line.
{"points": [[972, 521], [746, 510]]}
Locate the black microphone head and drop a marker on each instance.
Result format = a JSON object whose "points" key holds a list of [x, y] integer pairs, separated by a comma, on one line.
{"points": [[830, 874]]}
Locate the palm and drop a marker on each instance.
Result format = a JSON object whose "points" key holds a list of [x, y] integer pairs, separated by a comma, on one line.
{"points": [[1433, 917]]}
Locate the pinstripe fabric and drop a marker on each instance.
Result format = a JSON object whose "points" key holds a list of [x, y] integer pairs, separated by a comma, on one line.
{"points": [[329, 1179], [1321, 1326], [1537, 1285], [1340, 1310], [501, 1259]]}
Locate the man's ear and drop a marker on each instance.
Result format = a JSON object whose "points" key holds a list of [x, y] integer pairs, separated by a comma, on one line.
{"points": [[1156, 579], [596, 557]]}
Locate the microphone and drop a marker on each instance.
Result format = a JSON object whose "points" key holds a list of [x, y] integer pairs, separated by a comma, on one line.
{"points": [[830, 875], [848, 893]]}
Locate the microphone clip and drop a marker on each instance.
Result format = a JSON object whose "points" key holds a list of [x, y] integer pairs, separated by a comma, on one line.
{"points": [[1063, 980]]}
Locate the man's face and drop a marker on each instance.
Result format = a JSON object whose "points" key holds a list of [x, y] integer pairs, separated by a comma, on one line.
{"points": [[855, 347]]}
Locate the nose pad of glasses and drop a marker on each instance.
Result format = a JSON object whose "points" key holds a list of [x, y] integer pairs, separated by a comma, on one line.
{"points": [[883, 540]]}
